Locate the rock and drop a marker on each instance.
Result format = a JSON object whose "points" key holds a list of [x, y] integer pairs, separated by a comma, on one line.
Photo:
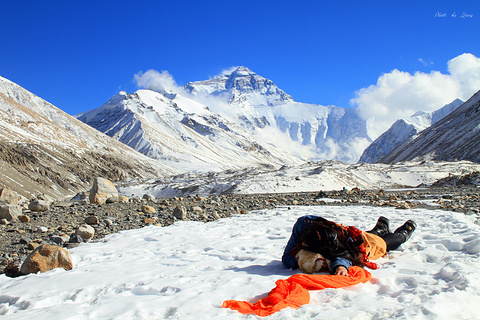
{"points": [[42, 229], [33, 245], [180, 212], [148, 209], [61, 239], [10, 212], [164, 203], [108, 222], [112, 200], [149, 220], [38, 205], [123, 199], [9, 196], [12, 270], [102, 190], [46, 257], [85, 231], [76, 239], [91, 220], [3, 221], [63, 204], [197, 209], [23, 218], [25, 240], [148, 197]]}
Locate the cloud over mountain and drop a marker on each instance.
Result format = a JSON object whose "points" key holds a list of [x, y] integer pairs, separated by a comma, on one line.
{"points": [[157, 81], [400, 94]]}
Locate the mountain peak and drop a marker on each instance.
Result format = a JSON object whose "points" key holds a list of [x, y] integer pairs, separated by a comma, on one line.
{"points": [[242, 71], [235, 71], [243, 87]]}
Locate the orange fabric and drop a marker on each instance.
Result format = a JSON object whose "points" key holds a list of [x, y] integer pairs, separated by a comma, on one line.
{"points": [[293, 292], [375, 246]]}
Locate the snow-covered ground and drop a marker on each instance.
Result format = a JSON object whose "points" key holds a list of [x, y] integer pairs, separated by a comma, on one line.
{"points": [[308, 177], [186, 271]]}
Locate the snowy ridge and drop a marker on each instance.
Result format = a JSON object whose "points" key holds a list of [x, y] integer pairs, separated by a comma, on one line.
{"points": [[181, 133], [455, 137], [189, 268], [45, 150], [404, 131]]}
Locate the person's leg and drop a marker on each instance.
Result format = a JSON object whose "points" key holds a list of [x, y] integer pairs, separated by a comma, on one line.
{"points": [[382, 227], [401, 235]]}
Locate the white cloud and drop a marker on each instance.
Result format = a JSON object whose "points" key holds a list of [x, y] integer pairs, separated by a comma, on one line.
{"points": [[400, 94], [425, 62], [164, 82], [157, 81], [274, 136], [465, 69]]}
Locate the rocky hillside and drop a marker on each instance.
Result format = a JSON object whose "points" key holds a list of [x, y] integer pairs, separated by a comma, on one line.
{"points": [[45, 150], [455, 137], [405, 130]]}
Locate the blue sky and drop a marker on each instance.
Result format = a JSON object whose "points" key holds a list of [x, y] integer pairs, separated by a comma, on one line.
{"points": [[77, 54]]}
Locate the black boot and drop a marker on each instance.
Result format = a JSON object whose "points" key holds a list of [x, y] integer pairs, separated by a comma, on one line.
{"points": [[402, 234], [407, 229], [382, 227]]}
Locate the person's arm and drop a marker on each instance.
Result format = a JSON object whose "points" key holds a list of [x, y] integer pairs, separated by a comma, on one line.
{"points": [[340, 266], [301, 225]]}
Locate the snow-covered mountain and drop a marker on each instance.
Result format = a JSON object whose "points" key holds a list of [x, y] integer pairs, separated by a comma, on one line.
{"points": [[181, 132], [455, 137], [404, 131], [45, 150], [331, 132]]}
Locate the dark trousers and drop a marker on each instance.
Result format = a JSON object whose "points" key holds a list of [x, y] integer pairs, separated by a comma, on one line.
{"points": [[393, 240]]}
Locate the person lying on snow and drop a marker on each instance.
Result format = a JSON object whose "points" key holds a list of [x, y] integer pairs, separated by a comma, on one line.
{"points": [[320, 245]]}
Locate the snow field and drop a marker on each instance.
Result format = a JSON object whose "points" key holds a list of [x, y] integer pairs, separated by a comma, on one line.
{"points": [[186, 271]]}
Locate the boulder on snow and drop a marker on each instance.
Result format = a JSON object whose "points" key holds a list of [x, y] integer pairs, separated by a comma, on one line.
{"points": [[47, 257], [102, 190]]}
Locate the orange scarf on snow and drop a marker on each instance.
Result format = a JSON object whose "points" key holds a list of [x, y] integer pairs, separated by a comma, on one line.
{"points": [[293, 291]]}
